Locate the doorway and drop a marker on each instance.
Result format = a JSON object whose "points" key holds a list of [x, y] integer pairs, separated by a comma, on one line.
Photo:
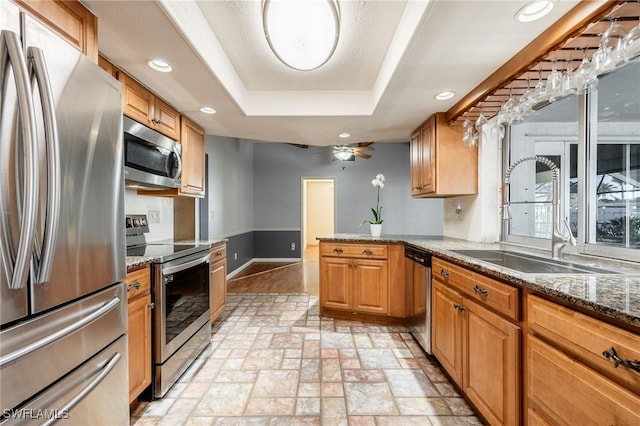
{"points": [[318, 213]]}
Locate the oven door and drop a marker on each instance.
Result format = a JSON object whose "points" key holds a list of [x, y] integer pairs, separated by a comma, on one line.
{"points": [[181, 295]]}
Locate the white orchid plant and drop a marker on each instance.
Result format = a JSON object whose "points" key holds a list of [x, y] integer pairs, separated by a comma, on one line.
{"points": [[378, 183]]}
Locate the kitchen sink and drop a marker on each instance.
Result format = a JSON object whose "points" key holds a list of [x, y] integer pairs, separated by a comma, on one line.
{"points": [[531, 264]]}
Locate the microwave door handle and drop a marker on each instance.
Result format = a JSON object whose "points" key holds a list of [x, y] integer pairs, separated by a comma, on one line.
{"points": [[179, 158], [38, 71], [12, 56]]}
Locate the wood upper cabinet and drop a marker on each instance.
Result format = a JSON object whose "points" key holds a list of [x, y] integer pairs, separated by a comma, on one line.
{"points": [[569, 379], [476, 344], [139, 333], [441, 164], [70, 19], [354, 278], [192, 139], [141, 105], [218, 281], [106, 65]]}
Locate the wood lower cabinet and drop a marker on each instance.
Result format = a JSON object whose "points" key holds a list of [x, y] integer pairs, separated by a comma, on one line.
{"points": [[477, 346], [139, 333], [218, 281], [441, 164], [354, 278], [569, 379]]}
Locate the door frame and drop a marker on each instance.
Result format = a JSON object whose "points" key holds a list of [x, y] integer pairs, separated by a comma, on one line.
{"points": [[303, 207]]}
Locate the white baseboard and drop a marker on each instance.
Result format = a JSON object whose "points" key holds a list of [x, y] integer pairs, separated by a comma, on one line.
{"points": [[258, 259]]}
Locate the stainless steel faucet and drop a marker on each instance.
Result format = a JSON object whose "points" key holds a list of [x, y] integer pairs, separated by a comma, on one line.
{"points": [[558, 238]]}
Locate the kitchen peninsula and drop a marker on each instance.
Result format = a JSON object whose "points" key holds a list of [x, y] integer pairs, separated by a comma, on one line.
{"points": [[509, 339]]}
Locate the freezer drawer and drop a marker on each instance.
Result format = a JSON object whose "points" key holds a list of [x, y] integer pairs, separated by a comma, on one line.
{"points": [[94, 394], [36, 353]]}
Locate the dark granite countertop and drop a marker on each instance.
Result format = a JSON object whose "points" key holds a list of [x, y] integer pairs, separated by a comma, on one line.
{"points": [[616, 296], [139, 262]]}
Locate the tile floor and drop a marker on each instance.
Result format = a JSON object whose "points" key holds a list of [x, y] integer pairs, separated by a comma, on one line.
{"points": [[274, 361]]}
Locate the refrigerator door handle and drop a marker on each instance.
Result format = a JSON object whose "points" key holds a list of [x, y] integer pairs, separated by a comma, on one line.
{"points": [[51, 338], [38, 71], [110, 365], [11, 55]]}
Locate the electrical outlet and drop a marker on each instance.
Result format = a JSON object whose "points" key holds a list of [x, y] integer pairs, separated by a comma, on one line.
{"points": [[154, 216], [235, 256], [293, 246], [459, 212]]}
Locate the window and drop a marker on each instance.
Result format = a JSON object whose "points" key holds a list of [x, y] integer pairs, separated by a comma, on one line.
{"points": [[594, 140]]}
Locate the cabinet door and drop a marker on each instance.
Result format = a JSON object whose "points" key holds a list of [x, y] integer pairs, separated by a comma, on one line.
{"points": [[446, 333], [167, 119], [491, 364], [192, 140], [335, 283], [370, 286], [428, 157], [137, 101], [139, 337], [218, 285], [566, 392]]}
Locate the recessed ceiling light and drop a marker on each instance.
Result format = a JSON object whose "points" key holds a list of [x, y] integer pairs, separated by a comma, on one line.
{"points": [[208, 110], [534, 10], [443, 96], [344, 135], [159, 65]]}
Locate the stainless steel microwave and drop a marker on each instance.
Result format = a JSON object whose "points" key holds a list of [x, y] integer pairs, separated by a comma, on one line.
{"points": [[151, 160]]}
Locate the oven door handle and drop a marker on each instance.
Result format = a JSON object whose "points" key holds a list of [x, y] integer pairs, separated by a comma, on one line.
{"points": [[187, 265]]}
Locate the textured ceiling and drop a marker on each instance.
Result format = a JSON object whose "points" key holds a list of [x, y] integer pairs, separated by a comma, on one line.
{"points": [[392, 58]]}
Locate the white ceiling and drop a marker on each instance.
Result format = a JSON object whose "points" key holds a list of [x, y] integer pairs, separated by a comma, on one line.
{"points": [[392, 57]]}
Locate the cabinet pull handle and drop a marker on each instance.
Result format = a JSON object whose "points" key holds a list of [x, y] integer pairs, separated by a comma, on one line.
{"points": [[151, 305], [617, 361], [444, 273], [458, 307], [367, 252], [337, 250], [480, 291], [134, 285]]}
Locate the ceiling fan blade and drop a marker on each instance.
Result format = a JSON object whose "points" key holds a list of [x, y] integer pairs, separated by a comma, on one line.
{"points": [[362, 148], [362, 155], [365, 144]]}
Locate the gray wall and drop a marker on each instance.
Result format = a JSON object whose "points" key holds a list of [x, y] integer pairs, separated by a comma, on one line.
{"points": [[255, 195], [278, 169]]}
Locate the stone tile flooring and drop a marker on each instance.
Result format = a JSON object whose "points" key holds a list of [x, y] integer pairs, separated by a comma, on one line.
{"points": [[274, 361]]}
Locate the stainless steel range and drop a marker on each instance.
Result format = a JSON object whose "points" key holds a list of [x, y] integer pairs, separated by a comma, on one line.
{"points": [[180, 292]]}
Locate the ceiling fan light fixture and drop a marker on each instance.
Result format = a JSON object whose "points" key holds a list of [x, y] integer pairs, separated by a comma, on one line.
{"points": [[303, 34], [534, 10], [159, 65], [343, 154]]}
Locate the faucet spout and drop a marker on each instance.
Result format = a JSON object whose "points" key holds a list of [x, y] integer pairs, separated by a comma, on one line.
{"points": [[558, 238]]}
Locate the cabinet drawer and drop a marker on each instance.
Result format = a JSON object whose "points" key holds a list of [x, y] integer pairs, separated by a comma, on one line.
{"points": [[368, 251], [138, 283], [500, 296], [565, 391], [218, 253], [585, 338], [449, 273]]}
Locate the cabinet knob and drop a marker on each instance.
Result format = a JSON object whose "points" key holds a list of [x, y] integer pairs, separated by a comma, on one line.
{"points": [[151, 305], [480, 291], [367, 252], [417, 188], [337, 250], [134, 285], [218, 253], [617, 361], [444, 273]]}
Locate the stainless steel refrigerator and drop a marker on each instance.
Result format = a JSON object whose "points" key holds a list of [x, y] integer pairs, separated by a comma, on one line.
{"points": [[63, 344]]}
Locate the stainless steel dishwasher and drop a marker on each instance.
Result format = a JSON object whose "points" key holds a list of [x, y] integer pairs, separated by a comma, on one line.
{"points": [[419, 274]]}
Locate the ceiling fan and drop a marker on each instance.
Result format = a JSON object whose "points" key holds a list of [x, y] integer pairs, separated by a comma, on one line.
{"points": [[348, 152]]}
